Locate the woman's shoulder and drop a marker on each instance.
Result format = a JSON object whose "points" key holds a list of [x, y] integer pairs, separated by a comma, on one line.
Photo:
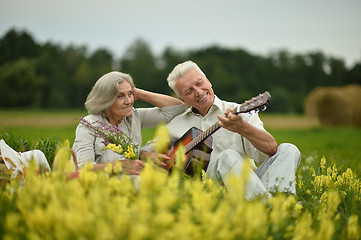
{"points": [[94, 117], [135, 112]]}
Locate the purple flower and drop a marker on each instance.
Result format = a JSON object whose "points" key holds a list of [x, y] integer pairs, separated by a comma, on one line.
{"points": [[110, 134]]}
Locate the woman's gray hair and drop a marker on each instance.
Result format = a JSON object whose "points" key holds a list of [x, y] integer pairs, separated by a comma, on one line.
{"points": [[180, 70], [105, 92]]}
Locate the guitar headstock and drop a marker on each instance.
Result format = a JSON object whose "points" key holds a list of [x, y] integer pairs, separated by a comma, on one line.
{"points": [[255, 103]]}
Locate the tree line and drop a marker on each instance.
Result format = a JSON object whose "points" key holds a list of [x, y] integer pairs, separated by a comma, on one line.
{"points": [[49, 75]]}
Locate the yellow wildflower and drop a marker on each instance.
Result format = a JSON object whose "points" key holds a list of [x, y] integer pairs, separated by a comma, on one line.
{"points": [[114, 148], [323, 164], [129, 154], [109, 168], [352, 228], [117, 168], [163, 138], [303, 228]]}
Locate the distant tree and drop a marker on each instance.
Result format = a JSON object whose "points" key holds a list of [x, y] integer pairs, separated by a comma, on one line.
{"points": [[354, 74], [337, 71], [20, 84], [56, 76], [50, 65], [17, 44], [73, 57], [235, 74], [316, 71], [89, 71], [167, 61], [140, 63], [280, 100]]}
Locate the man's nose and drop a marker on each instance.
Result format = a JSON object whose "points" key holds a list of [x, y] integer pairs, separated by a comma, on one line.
{"points": [[198, 91]]}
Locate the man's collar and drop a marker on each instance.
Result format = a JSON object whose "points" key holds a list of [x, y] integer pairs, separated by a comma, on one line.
{"points": [[217, 102]]}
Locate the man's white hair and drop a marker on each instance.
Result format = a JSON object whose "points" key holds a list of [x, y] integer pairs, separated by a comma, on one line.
{"points": [[180, 70]]}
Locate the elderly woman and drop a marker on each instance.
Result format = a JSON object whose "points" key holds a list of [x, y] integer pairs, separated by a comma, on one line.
{"points": [[111, 101]]}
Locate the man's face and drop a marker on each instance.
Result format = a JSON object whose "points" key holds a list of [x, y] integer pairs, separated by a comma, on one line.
{"points": [[196, 90]]}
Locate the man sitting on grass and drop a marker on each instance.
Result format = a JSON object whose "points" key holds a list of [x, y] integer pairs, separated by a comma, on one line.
{"points": [[240, 137]]}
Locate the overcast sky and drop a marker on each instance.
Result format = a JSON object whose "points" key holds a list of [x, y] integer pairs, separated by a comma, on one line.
{"points": [[259, 26]]}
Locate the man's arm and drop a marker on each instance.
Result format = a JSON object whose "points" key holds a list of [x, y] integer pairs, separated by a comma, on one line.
{"points": [[260, 139]]}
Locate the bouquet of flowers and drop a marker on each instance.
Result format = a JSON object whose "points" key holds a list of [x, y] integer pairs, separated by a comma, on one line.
{"points": [[114, 139]]}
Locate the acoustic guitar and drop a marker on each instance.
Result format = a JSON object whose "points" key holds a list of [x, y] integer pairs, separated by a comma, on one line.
{"points": [[198, 143]]}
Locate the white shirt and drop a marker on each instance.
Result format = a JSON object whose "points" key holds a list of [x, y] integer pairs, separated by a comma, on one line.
{"points": [[222, 139], [89, 148]]}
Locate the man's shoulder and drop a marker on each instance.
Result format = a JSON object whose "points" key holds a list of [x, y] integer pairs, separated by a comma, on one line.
{"points": [[186, 118], [223, 104], [187, 113]]}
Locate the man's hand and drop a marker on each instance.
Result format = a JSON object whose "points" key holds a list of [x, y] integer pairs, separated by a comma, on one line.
{"points": [[232, 122], [259, 138]]}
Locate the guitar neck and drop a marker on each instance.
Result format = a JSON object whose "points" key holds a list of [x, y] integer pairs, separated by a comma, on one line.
{"points": [[252, 104]]}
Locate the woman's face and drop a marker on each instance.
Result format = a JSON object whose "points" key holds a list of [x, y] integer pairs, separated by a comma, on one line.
{"points": [[122, 107]]}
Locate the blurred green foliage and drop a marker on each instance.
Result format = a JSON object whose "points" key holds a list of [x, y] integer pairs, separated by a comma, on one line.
{"points": [[52, 76], [21, 144]]}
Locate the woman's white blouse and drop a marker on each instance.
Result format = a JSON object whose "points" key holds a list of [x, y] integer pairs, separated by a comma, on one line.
{"points": [[89, 148]]}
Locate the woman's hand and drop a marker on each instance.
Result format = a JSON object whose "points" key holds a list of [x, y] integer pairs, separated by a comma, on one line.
{"points": [[157, 158], [132, 167], [135, 93]]}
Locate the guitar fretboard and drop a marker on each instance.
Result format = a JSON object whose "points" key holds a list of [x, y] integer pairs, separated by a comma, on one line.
{"points": [[201, 137]]}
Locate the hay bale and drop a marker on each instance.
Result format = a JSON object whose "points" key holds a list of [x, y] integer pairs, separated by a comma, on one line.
{"points": [[354, 95], [333, 109], [311, 100], [335, 106]]}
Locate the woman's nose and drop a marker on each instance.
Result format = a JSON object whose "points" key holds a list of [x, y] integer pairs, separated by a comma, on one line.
{"points": [[127, 99]]}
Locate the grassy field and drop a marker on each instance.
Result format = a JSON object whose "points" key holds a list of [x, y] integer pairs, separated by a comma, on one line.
{"points": [[327, 204], [339, 145]]}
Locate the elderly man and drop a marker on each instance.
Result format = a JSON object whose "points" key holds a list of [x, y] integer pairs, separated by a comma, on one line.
{"points": [[241, 137]]}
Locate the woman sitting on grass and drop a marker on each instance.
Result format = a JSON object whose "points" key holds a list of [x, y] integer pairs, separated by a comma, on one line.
{"points": [[110, 102]]}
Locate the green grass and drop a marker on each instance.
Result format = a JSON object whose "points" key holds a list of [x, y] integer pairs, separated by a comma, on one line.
{"points": [[39, 124], [56, 133], [37, 132], [339, 145]]}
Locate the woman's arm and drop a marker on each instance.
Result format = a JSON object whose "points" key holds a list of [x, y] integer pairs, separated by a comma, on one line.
{"points": [[131, 167], [85, 152], [156, 99], [83, 146]]}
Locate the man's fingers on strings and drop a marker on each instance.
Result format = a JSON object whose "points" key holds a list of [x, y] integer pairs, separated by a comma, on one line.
{"points": [[229, 110]]}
